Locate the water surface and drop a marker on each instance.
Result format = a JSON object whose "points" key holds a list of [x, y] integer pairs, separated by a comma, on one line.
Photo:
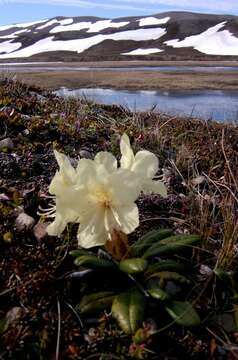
{"points": [[206, 104], [33, 67]]}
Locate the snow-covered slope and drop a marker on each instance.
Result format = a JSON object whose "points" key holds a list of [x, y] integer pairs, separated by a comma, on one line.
{"points": [[213, 41], [168, 35]]}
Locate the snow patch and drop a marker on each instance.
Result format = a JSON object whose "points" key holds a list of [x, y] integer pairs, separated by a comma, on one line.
{"points": [[23, 25], [143, 51], [211, 41], [74, 27], [80, 45], [153, 21], [104, 24], [14, 35], [7, 47], [55, 21], [92, 27]]}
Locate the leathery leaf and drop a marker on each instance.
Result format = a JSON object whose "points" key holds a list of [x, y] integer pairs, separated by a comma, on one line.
{"points": [[148, 239], [158, 293], [169, 276], [171, 244], [128, 309], [92, 262], [165, 265], [133, 266], [183, 313], [78, 252], [96, 302]]}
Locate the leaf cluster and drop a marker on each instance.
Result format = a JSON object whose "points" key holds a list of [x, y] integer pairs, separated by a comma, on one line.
{"points": [[148, 281]]}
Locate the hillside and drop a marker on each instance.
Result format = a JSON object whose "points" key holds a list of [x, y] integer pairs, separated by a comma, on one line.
{"points": [[164, 36]]}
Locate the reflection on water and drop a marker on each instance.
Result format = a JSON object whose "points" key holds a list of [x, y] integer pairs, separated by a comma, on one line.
{"points": [[207, 104]]}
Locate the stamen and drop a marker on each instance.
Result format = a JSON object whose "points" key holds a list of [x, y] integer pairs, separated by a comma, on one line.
{"points": [[48, 212]]}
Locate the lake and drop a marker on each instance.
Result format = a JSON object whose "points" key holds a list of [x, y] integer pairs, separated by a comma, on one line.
{"points": [[206, 104], [32, 67]]}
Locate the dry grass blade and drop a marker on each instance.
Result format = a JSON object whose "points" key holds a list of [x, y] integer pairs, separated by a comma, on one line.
{"points": [[228, 250], [58, 331], [227, 161]]}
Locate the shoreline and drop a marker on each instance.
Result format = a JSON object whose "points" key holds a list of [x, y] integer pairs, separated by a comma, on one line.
{"points": [[126, 80]]}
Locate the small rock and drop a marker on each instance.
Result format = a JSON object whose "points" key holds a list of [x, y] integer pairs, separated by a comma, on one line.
{"points": [[198, 180], [25, 132], [14, 314], [85, 154], [24, 222], [205, 270], [12, 317], [6, 144], [25, 117], [39, 231]]}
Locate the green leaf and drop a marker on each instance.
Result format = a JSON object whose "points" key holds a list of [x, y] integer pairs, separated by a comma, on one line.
{"points": [[148, 239], [96, 302], [183, 313], [171, 244], [165, 265], [3, 325], [78, 252], [169, 276], [158, 294], [128, 309], [92, 262], [133, 266]]}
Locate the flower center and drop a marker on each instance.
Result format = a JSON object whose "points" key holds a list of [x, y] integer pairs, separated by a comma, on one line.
{"points": [[102, 198]]}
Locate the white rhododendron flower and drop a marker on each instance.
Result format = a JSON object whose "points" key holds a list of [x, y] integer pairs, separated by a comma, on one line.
{"points": [[100, 196], [107, 200], [144, 165]]}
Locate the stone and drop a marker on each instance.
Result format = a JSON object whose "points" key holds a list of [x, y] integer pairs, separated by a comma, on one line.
{"points": [[25, 132], [39, 231], [6, 144], [12, 317], [25, 117], [24, 222], [14, 314], [85, 154], [198, 180]]}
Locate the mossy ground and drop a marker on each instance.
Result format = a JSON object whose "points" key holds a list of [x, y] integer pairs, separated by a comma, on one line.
{"points": [[200, 161]]}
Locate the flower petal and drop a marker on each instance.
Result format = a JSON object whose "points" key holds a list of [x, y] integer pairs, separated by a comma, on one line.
{"points": [[123, 187], [65, 166], [156, 187], [127, 158], [93, 233], [145, 165], [56, 184], [57, 226], [84, 171], [127, 217], [107, 160]]}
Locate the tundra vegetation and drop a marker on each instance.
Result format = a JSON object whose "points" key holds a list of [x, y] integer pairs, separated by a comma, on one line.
{"points": [[118, 231]]}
